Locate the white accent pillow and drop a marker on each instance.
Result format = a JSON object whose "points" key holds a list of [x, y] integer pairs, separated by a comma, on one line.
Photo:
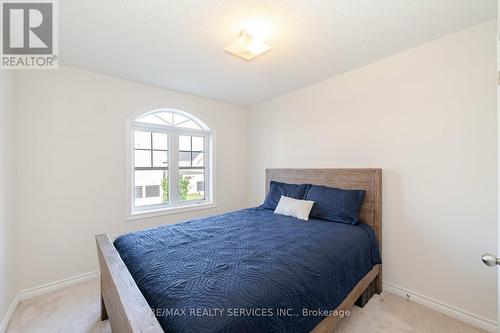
{"points": [[294, 207]]}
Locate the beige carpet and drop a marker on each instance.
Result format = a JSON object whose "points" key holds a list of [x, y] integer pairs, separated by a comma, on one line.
{"points": [[76, 309]]}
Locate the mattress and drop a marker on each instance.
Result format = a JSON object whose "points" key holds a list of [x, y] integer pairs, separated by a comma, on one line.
{"points": [[247, 271]]}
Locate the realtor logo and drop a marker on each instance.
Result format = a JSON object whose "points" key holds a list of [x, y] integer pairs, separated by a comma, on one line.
{"points": [[29, 38]]}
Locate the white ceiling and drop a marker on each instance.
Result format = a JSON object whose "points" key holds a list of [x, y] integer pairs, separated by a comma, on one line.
{"points": [[178, 44]]}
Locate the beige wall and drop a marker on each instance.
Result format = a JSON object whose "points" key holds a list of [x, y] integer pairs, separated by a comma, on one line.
{"points": [[8, 190], [72, 165], [427, 117]]}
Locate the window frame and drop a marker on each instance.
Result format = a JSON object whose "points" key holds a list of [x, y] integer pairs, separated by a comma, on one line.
{"points": [[174, 205]]}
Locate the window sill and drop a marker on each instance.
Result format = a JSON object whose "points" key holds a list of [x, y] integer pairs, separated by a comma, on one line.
{"points": [[169, 211]]}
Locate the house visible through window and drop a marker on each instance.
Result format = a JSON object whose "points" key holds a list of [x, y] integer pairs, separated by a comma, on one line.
{"points": [[191, 166], [170, 155]]}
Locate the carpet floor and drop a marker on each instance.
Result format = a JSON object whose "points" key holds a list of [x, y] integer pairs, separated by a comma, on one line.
{"points": [[76, 309]]}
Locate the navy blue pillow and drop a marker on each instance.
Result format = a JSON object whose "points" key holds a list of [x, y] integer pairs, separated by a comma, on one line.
{"points": [[335, 204], [277, 189]]}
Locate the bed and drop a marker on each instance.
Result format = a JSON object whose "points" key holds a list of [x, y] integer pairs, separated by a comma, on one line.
{"points": [[246, 271]]}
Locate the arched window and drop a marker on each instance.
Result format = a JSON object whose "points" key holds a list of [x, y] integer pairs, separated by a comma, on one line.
{"points": [[170, 155]]}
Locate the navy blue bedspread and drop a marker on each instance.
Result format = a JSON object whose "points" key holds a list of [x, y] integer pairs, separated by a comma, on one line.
{"points": [[247, 271]]}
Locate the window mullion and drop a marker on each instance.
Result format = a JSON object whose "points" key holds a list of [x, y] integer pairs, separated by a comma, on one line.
{"points": [[174, 168]]}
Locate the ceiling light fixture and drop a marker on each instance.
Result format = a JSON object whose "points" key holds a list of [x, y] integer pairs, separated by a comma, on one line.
{"points": [[247, 46]]}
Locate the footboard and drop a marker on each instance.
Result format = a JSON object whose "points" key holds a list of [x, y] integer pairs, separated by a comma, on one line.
{"points": [[329, 324], [121, 299]]}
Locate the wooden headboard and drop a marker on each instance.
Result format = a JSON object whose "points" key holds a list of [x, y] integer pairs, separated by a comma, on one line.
{"points": [[369, 180]]}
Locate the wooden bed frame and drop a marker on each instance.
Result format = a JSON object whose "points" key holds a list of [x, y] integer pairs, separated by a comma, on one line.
{"points": [[128, 311]]}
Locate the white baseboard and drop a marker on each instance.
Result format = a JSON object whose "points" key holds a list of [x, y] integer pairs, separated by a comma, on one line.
{"points": [[57, 285], [9, 314], [465, 316], [42, 290]]}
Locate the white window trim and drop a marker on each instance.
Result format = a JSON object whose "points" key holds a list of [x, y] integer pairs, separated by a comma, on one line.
{"points": [[159, 210]]}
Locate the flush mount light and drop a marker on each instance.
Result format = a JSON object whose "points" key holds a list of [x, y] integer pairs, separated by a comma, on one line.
{"points": [[247, 46]]}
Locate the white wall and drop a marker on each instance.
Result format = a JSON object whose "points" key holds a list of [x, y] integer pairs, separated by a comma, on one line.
{"points": [[427, 117], [8, 190], [72, 165]]}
